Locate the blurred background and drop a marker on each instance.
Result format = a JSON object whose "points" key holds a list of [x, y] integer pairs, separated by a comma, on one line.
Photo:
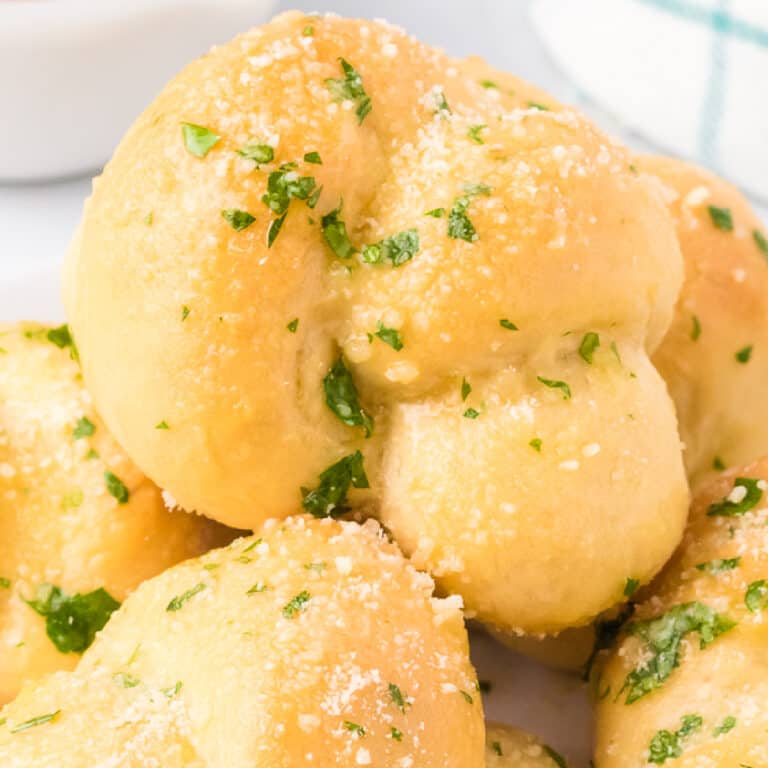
{"points": [[685, 77]]}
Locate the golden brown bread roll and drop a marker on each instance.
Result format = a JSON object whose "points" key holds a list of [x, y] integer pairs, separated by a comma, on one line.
{"points": [[311, 643], [482, 305], [686, 685], [80, 525], [508, 747], [715, 356]]}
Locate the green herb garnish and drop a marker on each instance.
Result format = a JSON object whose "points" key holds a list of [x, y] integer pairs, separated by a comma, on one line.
{"points": [[329, 498], [395, 249], [259, 153], [358, 730], [555, 384], [556, 757], [756, 596], [313, 157], [721, 218], [350, 88], [274, 229], [72, 621], [436, 213], [666, 745], [537, 105], [696, 328], [395, 733], [389, 336], [62, 338], [296, 605], [293, 325], [663, 636], [238, 220], [536, 444], [162, 425], [728, 724], [178, 602], [198, 140], [125, 680], [744, 354], [466, 388], [471, 413], [184, 312], [116, 487], [589, 344], [285, 185], [35, 721], [761, 242], [508, 324], [718, 566], [631, 586], [400, 701], [736, 502], [335, 233], [5, 583], [474, 133], [84, 428], [342, 398]]}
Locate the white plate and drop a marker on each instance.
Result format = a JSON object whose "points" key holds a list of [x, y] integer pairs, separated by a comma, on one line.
{"points": [[550, 704]]}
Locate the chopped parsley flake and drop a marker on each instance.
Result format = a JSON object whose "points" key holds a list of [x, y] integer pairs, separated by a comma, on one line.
{"points": [[474, 133], [257, 588], [737, 503], [350, 88], [395, 733], [184, 312], [556, 757], [488, 84], [335, 233], [259, 153], [536, 444], [358, 730], [508, 324], [331, 494], [695, 328], [62, 338], [631, 587], [761, 242], [5, 583], [293, 325], [125, 680], [721, 218], [496, 747], [342, 398], [744, 354], [395, 249], [400, 700], [460, 227], [162, 425], [756, 597], [296, 605], [719, 566], [172, 690], [148, 219], [666, 745], [389, 336], [285, 185], [466, 388], [313, 157], [467, 697], [589, 344], [718, 464], [436, 213], [73, 499], [555, 384], [72, 621], [116, 487], [663, 636], [178, 602], [442, 103], [308, 31], [471, 413], [537, 105], [478, 188], [84, 428], [198, 140], [274, 229], [35, 721], [239, 220], [728, 724], [316, 567]]}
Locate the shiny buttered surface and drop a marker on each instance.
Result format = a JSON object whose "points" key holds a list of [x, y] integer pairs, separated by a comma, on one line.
{"points": [[687, 684], [80, 525], [507, 747], [325, 238], [311, 643], [715, 356]]}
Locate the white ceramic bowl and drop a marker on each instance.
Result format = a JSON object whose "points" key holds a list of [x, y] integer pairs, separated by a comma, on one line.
{"points": [[74, 74]]}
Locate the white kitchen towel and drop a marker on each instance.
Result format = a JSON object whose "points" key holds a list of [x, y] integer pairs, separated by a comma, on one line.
{"points": [[689, 76]]}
